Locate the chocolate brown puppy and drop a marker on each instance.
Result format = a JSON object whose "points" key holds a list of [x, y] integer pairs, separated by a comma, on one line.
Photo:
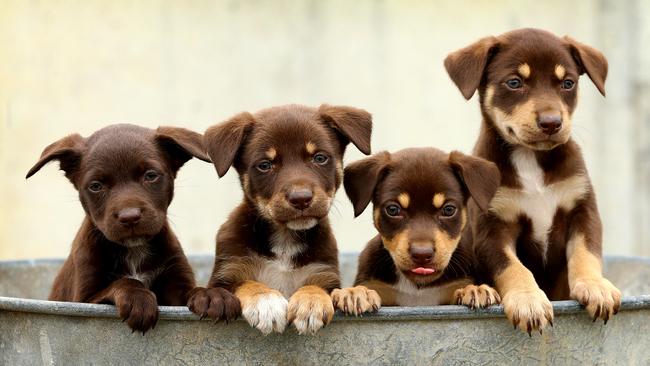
{"points": [[125, 253], [542, 237], [277, 243], [423, 252]]}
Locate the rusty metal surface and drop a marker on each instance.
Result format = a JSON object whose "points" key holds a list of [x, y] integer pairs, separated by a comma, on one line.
{"points": [[33, 331]]}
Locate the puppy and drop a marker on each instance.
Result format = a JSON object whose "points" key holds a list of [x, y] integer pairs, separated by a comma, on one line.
{"points": [[277, 243], [542, 237], [423, 253], [125, 253]]}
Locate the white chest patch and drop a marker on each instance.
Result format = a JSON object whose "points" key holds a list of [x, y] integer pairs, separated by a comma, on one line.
{"points": [[135, 256], [408, 294], [280, 273], [539, 202]]}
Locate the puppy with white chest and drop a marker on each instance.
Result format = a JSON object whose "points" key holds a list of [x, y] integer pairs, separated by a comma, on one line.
{"points": [[125, 253], [542, 237], [278, 244], [423, 252]]}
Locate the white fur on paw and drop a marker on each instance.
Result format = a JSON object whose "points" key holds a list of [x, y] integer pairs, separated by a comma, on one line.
{"points": [[268, 313]]}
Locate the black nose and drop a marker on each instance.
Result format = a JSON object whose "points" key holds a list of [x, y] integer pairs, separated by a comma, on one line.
{"points": [[300, 198], [421, 256], [129, 216], [549, 123]]}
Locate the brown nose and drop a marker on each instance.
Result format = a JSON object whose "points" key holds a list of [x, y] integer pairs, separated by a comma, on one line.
{"points": [[421, 256], [549, 123], [300, 198], [129, 216]]}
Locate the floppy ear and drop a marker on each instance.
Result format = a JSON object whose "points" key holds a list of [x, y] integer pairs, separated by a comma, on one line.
{"points": [[467, 65], [224, 140], [67, 151], [589, 60], [180, 145], [480, 177], [354, 125], [362, 177]]}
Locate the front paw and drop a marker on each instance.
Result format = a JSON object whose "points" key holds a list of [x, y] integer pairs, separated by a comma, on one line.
{"points": [[138, 308], [214, 303], [356, 300], [528, 309], [266, 311], [477, 296], [310, 309], [599, 296]]}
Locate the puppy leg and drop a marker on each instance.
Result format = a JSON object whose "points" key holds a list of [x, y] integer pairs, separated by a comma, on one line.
{"points": [[586, 282], [310, 308], [136, 305], [474, 296], [356, 300], [214, 303], [262, 307], [524, 303]]}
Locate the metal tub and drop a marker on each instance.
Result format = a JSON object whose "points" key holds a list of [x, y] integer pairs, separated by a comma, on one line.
{"points": [[33, 331]]}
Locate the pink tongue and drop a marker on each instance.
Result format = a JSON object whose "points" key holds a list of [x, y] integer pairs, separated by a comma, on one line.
{"points": [[423, 271]]}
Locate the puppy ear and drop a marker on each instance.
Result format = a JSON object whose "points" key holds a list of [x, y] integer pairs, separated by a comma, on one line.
{"points": [[180, 145], [67, 151], [224, 140], [362, 177], [466, 66], [480, 177], [355, 125], [589, 60]]}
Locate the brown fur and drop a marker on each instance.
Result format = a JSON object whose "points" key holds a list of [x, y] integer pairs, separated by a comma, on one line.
{"points": [[277, 242], [119, 170], [517, 251], [422, 183]]}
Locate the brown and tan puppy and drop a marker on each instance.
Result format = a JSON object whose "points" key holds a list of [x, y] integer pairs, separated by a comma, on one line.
{"points": [[542, 236], [125, 253], [277, 243], [423, 253]]}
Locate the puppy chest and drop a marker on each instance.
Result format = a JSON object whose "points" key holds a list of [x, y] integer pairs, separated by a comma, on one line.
{"points": [[408, 294], [536, 200], [283, 276]]}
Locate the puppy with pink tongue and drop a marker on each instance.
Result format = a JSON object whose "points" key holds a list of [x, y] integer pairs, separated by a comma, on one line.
{"points": [[423, 253]]}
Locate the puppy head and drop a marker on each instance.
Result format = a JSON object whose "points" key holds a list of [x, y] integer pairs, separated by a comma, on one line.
{"points": [[125, 175], [289, 158], [528, 82], [420, 199]]}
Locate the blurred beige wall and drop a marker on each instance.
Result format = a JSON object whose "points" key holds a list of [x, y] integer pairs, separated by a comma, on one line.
{"points": [[75, 66]]}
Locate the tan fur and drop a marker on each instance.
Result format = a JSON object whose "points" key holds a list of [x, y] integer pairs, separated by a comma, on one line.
{"points": [[476, 296], [404, 199], [406, 293], [560, 72], [398, 247], [439, 200], [524, 70], [310, 308], [271, 153], [356, 300], [310, 147]]}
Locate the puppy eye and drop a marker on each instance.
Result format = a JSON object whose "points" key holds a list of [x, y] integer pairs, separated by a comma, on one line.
{"points": [[151, 176], [320, 159], [264, 166], [393, 210], [568, 84], [95, 186], [514, 83], [448, 210]]}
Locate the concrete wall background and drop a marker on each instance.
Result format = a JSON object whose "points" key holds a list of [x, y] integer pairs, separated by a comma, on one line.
{"points": [[73, 66]]}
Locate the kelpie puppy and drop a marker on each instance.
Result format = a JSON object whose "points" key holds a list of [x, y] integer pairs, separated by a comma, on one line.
{"points": [[423, 253], [125, 253], [277, 243], [542, 236]]}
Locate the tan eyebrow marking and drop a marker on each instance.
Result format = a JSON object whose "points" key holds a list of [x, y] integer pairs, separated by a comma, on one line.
{"points": [[310, 147], [524, 70], [271, 153], [404, 199], [560, 72], [438, 200]]}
